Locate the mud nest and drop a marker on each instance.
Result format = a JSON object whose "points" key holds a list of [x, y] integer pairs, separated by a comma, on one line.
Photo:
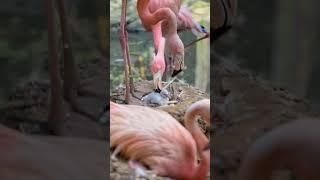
{"points": [[183, 93]]}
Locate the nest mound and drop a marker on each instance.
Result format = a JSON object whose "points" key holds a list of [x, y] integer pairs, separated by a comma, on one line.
{"points": [[183, 93]]}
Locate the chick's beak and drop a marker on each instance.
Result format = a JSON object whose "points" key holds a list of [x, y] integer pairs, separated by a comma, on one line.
{"points": [[157, 80]]}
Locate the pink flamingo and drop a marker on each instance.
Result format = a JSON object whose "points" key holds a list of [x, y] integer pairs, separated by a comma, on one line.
{"points": [[295, 145], [158, 141], [27, 157], [166, 18], [168, 10]]}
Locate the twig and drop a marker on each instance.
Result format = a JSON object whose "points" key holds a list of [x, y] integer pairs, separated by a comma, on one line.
{"points": [[204, 37], [166, 86]]}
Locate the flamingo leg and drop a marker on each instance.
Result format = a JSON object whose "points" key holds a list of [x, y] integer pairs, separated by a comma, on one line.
{"points": [[124, 43], [132, 89], [123, 36]]}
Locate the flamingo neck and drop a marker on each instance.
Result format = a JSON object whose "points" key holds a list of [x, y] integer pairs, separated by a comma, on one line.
{"points": [[197, 109], [157, 34], [160, 14], [204, 166], [161, 47], [158, 61]]}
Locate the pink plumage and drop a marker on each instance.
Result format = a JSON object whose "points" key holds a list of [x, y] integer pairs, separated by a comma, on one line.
{"points": [[157, 140]]}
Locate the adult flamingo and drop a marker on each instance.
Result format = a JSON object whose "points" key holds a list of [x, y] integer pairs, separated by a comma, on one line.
{"points": [[157, 140], [165, 18], [295, 145], [34, 157], [176, 49]]}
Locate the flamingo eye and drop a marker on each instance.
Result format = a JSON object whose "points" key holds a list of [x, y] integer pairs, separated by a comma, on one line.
{"points": [[203, 29]]}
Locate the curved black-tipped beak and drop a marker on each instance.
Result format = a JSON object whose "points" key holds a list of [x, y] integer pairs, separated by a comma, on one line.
{"points": [[157, 77], [157, 90], [176, 72]]}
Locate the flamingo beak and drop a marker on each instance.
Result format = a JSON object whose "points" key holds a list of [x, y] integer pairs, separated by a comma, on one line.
{"points": [[199, 29], [157, 80], [177, 64], [176, 72]]}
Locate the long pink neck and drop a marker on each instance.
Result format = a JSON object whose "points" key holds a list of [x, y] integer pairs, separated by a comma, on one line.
{"points": [[157, 34], [202, 169], [161, 47], [159, 15], [200, 108], [158, 61]]}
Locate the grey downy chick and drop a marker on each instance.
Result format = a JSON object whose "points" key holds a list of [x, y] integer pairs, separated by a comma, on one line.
{"points": [[157, 98]]}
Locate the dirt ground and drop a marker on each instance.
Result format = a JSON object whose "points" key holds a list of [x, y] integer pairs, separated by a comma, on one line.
{"points": [[253, 107], [185, 95]]}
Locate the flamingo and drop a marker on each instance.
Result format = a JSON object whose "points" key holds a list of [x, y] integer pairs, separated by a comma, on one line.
{"points": [[295, 145], [175, 45], [155, 139], [34, 157], [166, 17]]}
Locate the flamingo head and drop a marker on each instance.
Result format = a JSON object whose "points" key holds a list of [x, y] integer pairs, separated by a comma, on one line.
{"points": [[198, 29], [175, 54], [187, 22], [158, 66]]}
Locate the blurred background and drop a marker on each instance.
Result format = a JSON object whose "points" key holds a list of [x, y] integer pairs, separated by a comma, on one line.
{"points": [[277, 40], [197, 57], [24, 73], [23, 40]]}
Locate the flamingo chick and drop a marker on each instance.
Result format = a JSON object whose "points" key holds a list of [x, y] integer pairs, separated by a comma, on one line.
{"points": [[295, 145], [158, 141]]}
